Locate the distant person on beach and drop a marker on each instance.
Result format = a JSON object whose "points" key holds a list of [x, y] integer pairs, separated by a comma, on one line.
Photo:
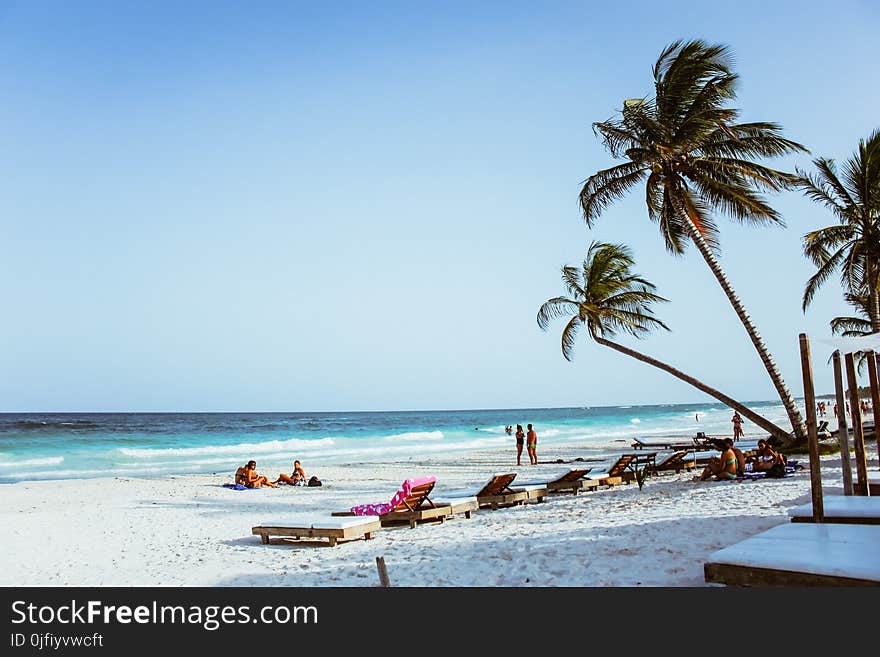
{"points": [[296, 478], [737, 425], [508, 429], [532, 445], [724, 468], [520, 441], [247, 476]]}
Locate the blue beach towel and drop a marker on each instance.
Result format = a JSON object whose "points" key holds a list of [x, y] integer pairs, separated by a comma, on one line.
{"points": [[237, 487]]}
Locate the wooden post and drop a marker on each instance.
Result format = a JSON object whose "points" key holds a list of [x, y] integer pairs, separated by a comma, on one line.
{"points": [[842, 426], [812, 435], [383, 572], [856, 416], [875, 392]]}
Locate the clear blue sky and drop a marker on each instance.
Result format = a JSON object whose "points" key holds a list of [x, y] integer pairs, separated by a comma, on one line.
{"points": [[289, 206]]}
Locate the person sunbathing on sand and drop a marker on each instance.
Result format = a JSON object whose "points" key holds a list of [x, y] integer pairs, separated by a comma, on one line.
{"points": [[247, 475], [766, 457], [296, 478], [725, 468]]}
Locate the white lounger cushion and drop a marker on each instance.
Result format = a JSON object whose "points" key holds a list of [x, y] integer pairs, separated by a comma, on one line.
{"points": [[841, 505], [818, 549], [329, 522], [453, 500]]}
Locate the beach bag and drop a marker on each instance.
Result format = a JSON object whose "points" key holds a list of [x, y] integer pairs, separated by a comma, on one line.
{"points": [[777, 471], [314, 481]]}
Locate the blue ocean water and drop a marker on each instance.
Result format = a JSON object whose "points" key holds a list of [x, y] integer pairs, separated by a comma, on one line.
{"points": [[83, 445]]}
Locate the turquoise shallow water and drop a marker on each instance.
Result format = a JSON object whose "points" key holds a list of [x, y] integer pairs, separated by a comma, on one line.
{"points": [[82, 445]]}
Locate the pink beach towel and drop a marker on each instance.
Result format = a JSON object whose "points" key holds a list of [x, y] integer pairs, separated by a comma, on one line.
{"points": [[382, 508]]}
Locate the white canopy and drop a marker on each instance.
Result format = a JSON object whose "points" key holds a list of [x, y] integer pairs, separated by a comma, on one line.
{"points": [[853, 344]]}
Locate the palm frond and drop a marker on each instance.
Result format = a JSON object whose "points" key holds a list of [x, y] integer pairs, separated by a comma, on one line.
{"points": [[608, 185], [611, 298], [554, 309]]}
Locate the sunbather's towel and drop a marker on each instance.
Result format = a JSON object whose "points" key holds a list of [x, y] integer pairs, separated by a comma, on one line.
{"points": [[383, 508], [237, 487]]}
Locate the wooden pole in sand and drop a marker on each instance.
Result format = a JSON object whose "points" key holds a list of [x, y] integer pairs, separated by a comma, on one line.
{"points": [[856, 416], [842, 428], [383, 572], [812, 434], [875, 392]]}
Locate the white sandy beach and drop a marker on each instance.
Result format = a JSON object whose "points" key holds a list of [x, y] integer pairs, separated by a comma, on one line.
{"points": [[190, 531]]}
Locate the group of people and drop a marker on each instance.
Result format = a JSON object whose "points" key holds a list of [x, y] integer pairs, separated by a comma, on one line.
{"points": [[733, 464], [527, 439], [864, 407], [247, 476]]}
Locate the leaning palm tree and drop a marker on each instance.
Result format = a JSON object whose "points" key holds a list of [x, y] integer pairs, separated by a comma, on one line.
{"points": [[852, 246], [684, 143], [607, 297]]}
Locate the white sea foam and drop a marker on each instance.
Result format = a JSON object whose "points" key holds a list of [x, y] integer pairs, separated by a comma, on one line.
{"points": [[294, 444], [635, 420], [51, 460], [415, 435]]}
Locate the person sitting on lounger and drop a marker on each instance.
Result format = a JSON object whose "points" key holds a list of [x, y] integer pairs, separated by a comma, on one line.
{"points": [[247, 475], [724, 468], [296, 478]]}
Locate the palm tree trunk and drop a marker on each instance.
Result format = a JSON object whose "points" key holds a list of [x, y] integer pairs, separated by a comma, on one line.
{"points": [[791, 408], [873, 297], [761, 421]]}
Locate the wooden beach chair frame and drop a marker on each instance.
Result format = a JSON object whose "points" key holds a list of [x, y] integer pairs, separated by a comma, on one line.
{"points": [[497, 493], [677, 461], [574, 481], [623, 470], [415, 508], [800, 554], [331, 529]]}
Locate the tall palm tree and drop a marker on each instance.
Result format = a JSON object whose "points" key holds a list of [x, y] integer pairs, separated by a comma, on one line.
{"points": [[684, 143], [860, 323], [851, 246], [607, 297], [857, 325]]}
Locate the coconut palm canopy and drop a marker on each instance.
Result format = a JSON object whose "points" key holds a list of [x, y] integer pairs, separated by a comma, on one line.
{"points": [[685, 144], [852, 246], [688, 149], [605, 295]]}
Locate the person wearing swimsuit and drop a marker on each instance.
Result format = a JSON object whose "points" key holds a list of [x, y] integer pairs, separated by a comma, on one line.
{"points": [[520, 441], [532, 445], [725, 468]]}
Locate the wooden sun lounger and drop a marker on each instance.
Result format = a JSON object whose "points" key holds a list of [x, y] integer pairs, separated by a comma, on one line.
{"points": [[458, 505], [800, 554], [638, 444], [676, 462], [624, 469], [417, 507], [332, 529], [841, 509], [573, 481], [497, 493]]}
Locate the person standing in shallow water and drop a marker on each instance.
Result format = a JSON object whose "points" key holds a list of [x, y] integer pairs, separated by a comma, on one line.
{"points": [[737, 425], [520, 441], [532, 445]]}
